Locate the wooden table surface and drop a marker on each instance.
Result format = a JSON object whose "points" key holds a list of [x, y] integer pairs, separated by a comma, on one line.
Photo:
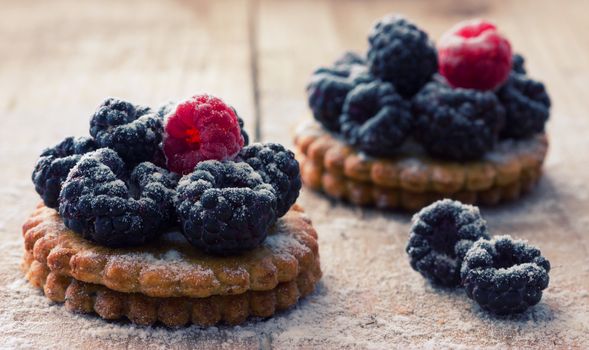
{"points": [[59, 59]]}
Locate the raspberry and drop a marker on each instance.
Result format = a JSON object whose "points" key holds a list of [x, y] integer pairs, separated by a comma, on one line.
{"points": [[225, 207], [99, 202], [527, 106], [201, 128], [441, 234], [457, 124], [375, 119], [474, 55], [402, 54], [504, 275], [169, 107], [55, 163], [279, 168], [132, 131]]}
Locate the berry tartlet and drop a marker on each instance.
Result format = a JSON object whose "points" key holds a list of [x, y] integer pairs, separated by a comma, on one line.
{"points": [[169, 216], [409, 123]]}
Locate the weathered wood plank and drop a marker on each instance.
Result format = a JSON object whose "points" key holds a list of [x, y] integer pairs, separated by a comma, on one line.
{"points": [[60, 59]]}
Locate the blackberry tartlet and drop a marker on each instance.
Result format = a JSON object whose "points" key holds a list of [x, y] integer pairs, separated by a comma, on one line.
{"points": [[410, 123], [166, 217]]}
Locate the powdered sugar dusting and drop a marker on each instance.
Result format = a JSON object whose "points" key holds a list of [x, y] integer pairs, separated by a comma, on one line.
{"points": [[282, 243], [369, 298]]}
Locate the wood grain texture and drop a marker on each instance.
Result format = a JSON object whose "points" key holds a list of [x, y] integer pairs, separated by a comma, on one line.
{"points": [[61, 58]]}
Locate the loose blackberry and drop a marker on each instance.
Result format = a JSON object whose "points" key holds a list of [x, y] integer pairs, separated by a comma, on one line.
{"points": [[279, 168], [441, 234], [504, 275], [375, 118], [349, 58], [402, 54], [132, 131], [518, 64], [225, 207], [55, 163], [102, 204], [527, 106], [457, 124]]}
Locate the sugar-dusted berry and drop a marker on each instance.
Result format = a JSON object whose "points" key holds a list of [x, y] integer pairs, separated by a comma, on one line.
{"points": [[225, 208], [457, 124], [55, 163], [201, 128], [441, 234], [474, 55], [105, 204], [279, 168], [401, 53], [505, 275], [134, 132]]}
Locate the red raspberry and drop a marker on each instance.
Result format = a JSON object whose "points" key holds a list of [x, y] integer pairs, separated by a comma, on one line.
{"points": [[202, 128], [474, 55]]}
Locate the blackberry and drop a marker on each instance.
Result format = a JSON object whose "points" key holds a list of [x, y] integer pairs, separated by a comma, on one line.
{"points": [[55, 163], [357, 73], [279, 168], [326, 93], [350, 57], [518, 64], [375, 118], [402, 54], [441, 234], [527, 106], [504, 275], [457, 124], [165, 109], [132, 131], [328, 88], [246, 138], [157, 184], [225, 207], [99, 201]]}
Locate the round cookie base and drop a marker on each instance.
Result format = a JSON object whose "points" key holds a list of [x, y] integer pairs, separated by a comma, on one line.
{"points": [[168, 280], [170, 266], [413, 180], [88, 298]]}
